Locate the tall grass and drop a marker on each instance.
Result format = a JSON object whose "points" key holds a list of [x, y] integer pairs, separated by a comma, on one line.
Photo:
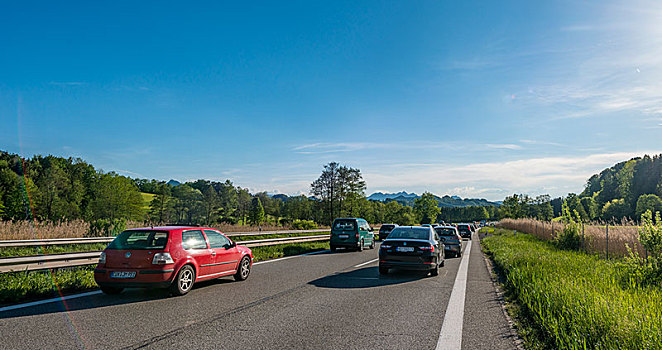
{"points": [[595, 236], [26, 229], [20, 286], [576, 300]]}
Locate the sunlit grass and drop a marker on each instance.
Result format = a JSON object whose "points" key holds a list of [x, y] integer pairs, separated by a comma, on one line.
{"points": [[575, 299]]}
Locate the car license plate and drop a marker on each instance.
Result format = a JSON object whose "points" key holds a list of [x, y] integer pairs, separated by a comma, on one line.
{"points": [[343, 236], [123, 274], [404, 249]]}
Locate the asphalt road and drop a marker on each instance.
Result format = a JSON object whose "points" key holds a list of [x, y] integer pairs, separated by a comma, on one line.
{"points": [[320, 301]]}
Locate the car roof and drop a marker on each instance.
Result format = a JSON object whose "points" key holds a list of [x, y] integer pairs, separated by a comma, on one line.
{"points": [[169, 228], [453, 227]]}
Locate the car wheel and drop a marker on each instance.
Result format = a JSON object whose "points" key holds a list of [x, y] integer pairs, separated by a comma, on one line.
{"points": [[372, 245], [243, 270], [435, 270], [111, 290], [184, 281], [360, 248], [383, 270], [458, 254], [333, 249], [443, 262]]}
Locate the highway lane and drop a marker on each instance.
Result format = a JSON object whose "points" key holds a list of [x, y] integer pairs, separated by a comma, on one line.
{"points": [[316, 301]]}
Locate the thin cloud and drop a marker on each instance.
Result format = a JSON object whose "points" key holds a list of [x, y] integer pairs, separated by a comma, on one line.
{"points": [[67, 83], [503, 146]]}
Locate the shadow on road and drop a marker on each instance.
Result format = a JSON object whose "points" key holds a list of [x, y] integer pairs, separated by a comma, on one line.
{"points": [[367, 277], [128, 296]]}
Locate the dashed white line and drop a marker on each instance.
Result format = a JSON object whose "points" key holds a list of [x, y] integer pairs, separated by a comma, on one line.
{"points": [[290, 257], [366, 263], [450, 336], [47, 301]]}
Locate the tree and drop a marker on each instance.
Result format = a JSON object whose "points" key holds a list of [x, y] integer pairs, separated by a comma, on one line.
{"points": [[648, 202], [209, 203], [615, 209], [161, 206], [257, 212], [426, 208], [116, 197], [335, 185]]}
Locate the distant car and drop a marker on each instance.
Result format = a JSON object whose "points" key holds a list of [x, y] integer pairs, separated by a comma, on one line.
{"points": [[464, 230], [173, 257], [452, 240], [385, 230], [412, 248], [351, 233]]}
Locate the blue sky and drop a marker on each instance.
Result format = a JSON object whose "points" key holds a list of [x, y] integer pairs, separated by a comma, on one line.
{"points": [[477, 99]]}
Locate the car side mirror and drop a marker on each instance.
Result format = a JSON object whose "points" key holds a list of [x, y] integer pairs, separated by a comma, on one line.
{"points": [[371, 229], [232, 245]]}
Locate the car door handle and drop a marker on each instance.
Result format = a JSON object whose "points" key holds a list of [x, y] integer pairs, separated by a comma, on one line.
{"points": [[213, 253]]}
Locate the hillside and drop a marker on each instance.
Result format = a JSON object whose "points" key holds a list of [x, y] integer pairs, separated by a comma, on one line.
{"points": [[446, 201], [618, 191]]}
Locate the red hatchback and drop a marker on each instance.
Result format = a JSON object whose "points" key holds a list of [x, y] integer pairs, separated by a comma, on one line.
{"points": [[172, 257]]}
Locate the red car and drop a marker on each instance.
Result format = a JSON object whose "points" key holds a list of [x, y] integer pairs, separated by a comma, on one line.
{"points": [[173, 257]]}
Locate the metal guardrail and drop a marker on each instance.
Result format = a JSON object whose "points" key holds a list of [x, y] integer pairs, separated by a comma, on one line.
{"points": [[89, 240], [52, 261]]}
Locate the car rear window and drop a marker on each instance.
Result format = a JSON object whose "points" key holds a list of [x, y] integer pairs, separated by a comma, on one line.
{"points": [[386, 228], [139, 240], [463, 227], [344, 225], [410, 232], [445, 231]]}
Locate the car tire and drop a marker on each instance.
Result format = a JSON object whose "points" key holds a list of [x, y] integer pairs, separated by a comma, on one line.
{"points": [[360, 247], [333, 249], [111, 290], [443, 263], [243, 270], [458, 254], [435, 271], [383, 270], [183, 281], [372, 245]]}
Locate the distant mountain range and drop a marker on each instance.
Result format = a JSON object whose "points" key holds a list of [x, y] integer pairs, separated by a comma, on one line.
{"points": [[405, 198]]}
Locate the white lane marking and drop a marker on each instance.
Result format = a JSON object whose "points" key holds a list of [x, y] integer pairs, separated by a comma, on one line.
{"points": [[450, 336], [366, 263], [47, 301], [290, 257]]}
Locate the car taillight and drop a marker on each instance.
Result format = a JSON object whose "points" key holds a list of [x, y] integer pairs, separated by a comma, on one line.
{"points": [[429, 248], [102, 258], [357, 235], [385, 246], [162, 258]]}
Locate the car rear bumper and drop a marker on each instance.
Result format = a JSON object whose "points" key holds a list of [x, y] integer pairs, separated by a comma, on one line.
{"points": [[452, 248], [152, 278], [416, 266]]}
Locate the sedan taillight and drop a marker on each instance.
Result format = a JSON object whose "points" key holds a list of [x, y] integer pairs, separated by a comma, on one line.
{"points": [[162, 259], [429, 248], [385, 246]]}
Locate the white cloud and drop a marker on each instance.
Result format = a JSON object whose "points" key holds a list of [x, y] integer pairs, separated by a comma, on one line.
{"points": [[503, 146], [558, 175]]}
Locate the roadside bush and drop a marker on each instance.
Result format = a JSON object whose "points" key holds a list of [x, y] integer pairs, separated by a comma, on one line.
{"points": [[645, 272], [106, 227], [304, 225], [570, 238]]}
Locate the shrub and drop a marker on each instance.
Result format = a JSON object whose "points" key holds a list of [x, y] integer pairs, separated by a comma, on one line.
{"points": [[304, 225], [106, 227], [570, 237]]}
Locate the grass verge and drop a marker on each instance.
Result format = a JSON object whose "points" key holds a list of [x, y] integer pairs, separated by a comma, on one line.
{"points": [[572, 300], [30, 285]]}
